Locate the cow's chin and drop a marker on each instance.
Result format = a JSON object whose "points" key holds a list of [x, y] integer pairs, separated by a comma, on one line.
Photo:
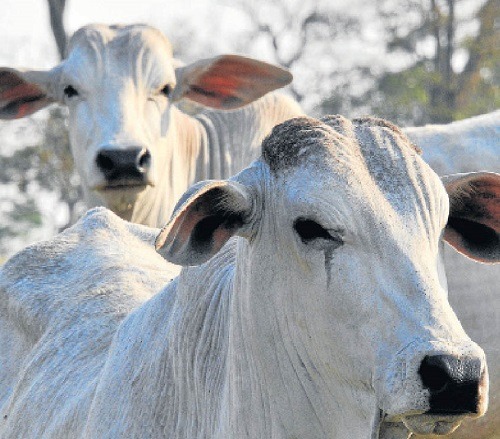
{"points": [[421, 425], [121, 198]]}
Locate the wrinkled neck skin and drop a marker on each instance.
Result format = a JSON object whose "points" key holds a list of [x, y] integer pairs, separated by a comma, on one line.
{"points": [[183, 158], [285, 392], [233, 368], [228, 364]]}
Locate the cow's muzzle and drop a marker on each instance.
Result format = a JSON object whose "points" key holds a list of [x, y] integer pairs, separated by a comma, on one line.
{"points": [[455, 384], [430, 387], [123, 168]]}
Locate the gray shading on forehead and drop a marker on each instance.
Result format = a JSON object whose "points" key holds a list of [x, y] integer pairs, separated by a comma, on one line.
{"points": [[340, 124], [392, 162], [377, 122], [299, 139], [347, 128], [295, 141], [132, 38]]}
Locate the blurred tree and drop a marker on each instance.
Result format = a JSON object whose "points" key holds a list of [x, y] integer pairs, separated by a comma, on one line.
{"points": [[19, 212], [36, 171], [299, 35], [45, 167], [56, 11], [54, 166], [451, 72], [478, 85]]}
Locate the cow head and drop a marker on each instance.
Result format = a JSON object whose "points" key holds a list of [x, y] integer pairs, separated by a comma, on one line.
{"points": [[119, 83], [339, 286]]}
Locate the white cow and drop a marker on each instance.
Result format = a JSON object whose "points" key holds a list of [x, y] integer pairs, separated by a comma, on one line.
{"points": [[470, 145], [136, 153], [464, 146], [319, 309]]}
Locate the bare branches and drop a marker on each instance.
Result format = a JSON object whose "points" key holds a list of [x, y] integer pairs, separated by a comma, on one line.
{"points": [[296, 33], [56, 9]]}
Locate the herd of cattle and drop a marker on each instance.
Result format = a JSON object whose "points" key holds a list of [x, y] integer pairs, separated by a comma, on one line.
{"points": [[312, 300]]}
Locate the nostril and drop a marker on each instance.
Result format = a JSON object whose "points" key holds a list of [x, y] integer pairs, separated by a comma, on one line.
{"points": [[144, 159], [434, 374], [105, 162]]}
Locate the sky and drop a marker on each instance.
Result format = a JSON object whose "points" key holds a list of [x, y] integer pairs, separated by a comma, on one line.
{"points": [[27, 40]]}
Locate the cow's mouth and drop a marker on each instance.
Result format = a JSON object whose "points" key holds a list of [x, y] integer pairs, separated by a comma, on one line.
{"points": [[122, 186], [432, 424]]}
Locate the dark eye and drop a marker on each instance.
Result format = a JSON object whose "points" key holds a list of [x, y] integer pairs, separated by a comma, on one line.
{"points": [[309, 230], [70, 91], [166, 90]]}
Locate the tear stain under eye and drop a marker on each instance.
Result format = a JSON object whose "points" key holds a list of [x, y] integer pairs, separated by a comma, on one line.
{"points": [[328, 259]]}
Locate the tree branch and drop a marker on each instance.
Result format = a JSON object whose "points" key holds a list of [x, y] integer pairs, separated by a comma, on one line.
{"points": [[56, 9]]}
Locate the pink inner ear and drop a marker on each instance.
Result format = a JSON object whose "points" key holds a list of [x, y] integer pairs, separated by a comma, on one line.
{"points": [[187, 225], [221, 85], [19, 98], [477, 200], [232, 81], [488, 201], [23, 90], [238, 71], [225, 78]]}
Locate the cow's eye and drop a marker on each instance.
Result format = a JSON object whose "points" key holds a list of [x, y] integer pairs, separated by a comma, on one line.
{"points": [[70, 91], [166, 90], [309, 231]]}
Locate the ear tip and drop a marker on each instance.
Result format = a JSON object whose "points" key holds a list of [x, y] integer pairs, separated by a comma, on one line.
{"points": [[161, 238], [286, 77], [281, 74], [164, 249]]}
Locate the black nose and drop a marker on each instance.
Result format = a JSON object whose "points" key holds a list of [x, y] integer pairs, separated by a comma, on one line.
{"points": [[124, 166], [453, 383]]}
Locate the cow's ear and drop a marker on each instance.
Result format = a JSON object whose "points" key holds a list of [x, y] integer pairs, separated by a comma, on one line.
{"points": [[228, 81], [203, 221], [474, 222], [23, 92]]}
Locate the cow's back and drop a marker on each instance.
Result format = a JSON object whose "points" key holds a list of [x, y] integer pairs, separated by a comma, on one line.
{"points": [[63, 300], [467, 145]]}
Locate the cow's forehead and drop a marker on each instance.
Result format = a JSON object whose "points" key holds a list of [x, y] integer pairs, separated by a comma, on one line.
{"points": [[367, 161], [300, 140], [120, 41]]}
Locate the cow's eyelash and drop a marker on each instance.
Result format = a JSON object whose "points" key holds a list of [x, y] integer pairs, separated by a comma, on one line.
{"points": [[309, 230]]}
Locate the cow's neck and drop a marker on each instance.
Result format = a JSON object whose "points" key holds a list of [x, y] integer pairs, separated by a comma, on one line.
{"points": [[274, 389], [186, 157], [221, 368]]}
